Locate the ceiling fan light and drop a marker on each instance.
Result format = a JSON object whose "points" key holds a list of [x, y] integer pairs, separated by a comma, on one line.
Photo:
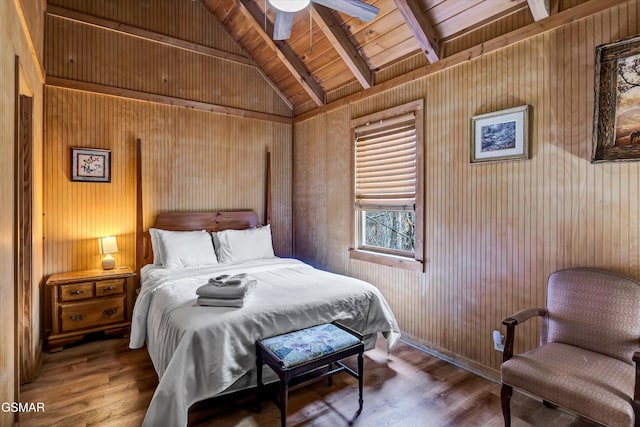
{"points": [[289, 5]]}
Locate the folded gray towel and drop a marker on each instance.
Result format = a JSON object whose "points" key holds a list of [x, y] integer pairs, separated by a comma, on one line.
{"points": [[226, 280], [215, 302], [227, 292]]}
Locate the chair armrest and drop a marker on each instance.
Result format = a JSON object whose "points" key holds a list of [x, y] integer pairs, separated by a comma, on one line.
{"points": [[524, 315], [511, 322]]}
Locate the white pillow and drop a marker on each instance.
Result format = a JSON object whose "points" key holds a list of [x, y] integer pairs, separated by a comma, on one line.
{"points": [[216, 244], [156, 246], [244, 245], [186, 249]]}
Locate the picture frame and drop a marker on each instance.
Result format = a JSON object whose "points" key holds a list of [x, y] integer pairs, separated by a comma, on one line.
{"points": [[616, 117], [500, 135], [90, 164]]}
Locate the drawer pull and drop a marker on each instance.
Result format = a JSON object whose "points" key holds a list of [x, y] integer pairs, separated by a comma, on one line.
{"points": [[108, 288], [110, 312], [77, 292], [77, 317]]}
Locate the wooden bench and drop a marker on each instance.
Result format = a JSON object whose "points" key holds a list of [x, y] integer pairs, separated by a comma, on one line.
{"points": [[308, 351]]}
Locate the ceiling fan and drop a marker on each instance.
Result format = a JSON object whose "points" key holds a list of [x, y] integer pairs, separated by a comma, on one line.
{"points": [[286, 8]]}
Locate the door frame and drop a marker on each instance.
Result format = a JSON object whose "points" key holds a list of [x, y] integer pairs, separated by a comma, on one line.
{"points": [[25, 361]]}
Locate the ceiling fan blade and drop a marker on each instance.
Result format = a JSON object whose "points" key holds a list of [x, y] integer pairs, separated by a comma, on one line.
{"points": [[356, 8], [282, 26]]}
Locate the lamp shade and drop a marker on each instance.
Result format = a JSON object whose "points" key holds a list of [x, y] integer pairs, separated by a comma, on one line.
{"points": [[108, 245], [289, 5]]}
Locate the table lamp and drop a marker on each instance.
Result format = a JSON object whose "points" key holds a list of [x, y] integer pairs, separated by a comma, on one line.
{"points": [[108, 246]]}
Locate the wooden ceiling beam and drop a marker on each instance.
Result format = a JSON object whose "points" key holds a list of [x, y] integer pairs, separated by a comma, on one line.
{"points": [[342, 44], [283, 51], [421, 29], [539, 9]]}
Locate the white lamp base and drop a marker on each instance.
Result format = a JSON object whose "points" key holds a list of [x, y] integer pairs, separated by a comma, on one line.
{"points": [[108, 262]]}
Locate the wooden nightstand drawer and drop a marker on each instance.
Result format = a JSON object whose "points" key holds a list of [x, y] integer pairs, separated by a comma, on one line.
{"points": [[110, 287], [76, 291], [88, 301], [91, 313]]}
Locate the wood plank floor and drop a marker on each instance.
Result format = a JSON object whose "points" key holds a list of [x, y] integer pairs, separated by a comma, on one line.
{"points": [[103, 383]]}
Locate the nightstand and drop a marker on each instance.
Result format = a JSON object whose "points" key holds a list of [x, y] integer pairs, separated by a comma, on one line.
{"points": [[81, 302]]}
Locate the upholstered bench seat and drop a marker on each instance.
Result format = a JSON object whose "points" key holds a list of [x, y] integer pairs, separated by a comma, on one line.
{"points": [[296, 353]]}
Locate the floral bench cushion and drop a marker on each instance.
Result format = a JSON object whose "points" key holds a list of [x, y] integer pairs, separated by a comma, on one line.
{"points": [[309, 344]]}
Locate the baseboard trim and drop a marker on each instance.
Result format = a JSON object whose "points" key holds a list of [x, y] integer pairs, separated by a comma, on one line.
{"points": [[456, 360]]}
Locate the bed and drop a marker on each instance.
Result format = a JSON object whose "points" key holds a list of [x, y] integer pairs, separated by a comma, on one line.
{"points": [[200, 352]]}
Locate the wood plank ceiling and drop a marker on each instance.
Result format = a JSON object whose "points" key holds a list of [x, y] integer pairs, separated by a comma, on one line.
{"points": [[330, 55]]}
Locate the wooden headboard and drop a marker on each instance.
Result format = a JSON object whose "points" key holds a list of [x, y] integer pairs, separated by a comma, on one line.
{"points": [[190, 221], [209, 221]]}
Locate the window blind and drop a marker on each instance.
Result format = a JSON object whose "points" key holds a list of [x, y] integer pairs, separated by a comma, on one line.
{"points": [[386, 163]]}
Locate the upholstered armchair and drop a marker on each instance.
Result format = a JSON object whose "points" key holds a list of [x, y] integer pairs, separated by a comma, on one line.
{"points": [[588, 359]]}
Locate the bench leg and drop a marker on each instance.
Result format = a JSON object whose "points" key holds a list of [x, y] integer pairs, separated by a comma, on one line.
{"points": [[284, 393], [330, 381], [360, 379], [260, 387]]}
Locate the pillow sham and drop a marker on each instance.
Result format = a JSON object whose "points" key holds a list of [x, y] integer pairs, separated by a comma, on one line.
{"points": [[186, 249], [244, 245], [156, 246]]}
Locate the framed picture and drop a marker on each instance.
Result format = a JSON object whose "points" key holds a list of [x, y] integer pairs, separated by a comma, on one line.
{"points": [[501, 135], [90, 164], [616, 118]]}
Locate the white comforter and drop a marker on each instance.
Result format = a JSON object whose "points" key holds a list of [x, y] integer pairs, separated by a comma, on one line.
{"points": [[198, 352]]}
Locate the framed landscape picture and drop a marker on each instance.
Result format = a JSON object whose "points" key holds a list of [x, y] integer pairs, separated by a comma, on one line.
{"points": [[616, 118], [501, 135], [90, 164]]}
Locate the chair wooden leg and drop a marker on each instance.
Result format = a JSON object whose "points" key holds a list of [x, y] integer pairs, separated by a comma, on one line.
{"points": [[636, 411], [505, 398]]}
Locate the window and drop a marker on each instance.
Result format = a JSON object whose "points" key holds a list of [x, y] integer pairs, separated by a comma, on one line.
{"points": [[388, 191]]}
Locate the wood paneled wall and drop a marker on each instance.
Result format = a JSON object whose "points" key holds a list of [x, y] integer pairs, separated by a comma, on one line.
{"points": [[33, 12], [192, 160], [493, 232], [90, 54], [17, 40], [186, 20]]}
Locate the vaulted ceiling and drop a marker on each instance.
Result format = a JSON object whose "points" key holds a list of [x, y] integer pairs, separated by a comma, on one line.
{"points": [[330, 55]]}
